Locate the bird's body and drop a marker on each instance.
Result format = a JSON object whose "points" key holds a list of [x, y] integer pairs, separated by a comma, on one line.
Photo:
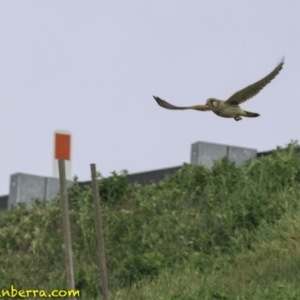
{"points": [[221, 109], [230, 108]]}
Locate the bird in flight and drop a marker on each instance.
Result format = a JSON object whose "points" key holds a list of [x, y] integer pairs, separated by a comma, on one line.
{"points": [[230, 108]]}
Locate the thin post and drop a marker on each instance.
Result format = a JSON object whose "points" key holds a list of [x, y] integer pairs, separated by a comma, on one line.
{"points": [[99, 233], [66, 226]]}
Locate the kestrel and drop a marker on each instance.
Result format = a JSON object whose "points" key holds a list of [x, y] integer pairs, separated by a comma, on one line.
{"points": [[230, 108]]}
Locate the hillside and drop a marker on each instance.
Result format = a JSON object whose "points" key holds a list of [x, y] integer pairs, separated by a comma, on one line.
{"points": [[225, 233]]}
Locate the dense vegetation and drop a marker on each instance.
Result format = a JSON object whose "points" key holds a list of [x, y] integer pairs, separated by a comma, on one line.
{"points": [[225, 233]]}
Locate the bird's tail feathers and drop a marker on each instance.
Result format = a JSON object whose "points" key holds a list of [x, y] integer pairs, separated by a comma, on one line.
{"points": [[251, 114]]}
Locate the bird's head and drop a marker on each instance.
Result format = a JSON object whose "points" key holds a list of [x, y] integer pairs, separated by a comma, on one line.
{"points": [[212, 102]]}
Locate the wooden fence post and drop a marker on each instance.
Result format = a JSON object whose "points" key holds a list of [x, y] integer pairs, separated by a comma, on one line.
{"points": [[99, 233]]}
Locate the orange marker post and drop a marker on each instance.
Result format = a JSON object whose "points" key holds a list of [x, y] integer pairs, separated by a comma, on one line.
{"points": [[62, 150], [62, 146]]}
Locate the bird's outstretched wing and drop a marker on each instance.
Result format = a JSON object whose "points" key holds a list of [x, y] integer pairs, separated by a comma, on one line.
{"points": [[167, 105], [253, 89]]}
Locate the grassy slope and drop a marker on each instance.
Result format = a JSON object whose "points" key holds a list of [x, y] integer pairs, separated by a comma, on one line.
{"points": [[270, 271], [228, 233]]}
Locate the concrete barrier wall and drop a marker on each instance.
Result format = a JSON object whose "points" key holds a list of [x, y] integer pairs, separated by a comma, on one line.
{"points": [[4, 202], [24, 187], [151, 176]]}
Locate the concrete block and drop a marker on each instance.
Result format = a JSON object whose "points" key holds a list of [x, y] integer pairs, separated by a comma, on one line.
{"points": [[239, 154], [25, 187], [52, 187], [206, 153]]}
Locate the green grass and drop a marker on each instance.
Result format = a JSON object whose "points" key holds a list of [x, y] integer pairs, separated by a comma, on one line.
{"points": [[225, 233], [270, 271]]}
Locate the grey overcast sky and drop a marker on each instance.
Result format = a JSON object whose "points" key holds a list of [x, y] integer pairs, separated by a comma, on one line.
{"points": [[91, 68]]}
